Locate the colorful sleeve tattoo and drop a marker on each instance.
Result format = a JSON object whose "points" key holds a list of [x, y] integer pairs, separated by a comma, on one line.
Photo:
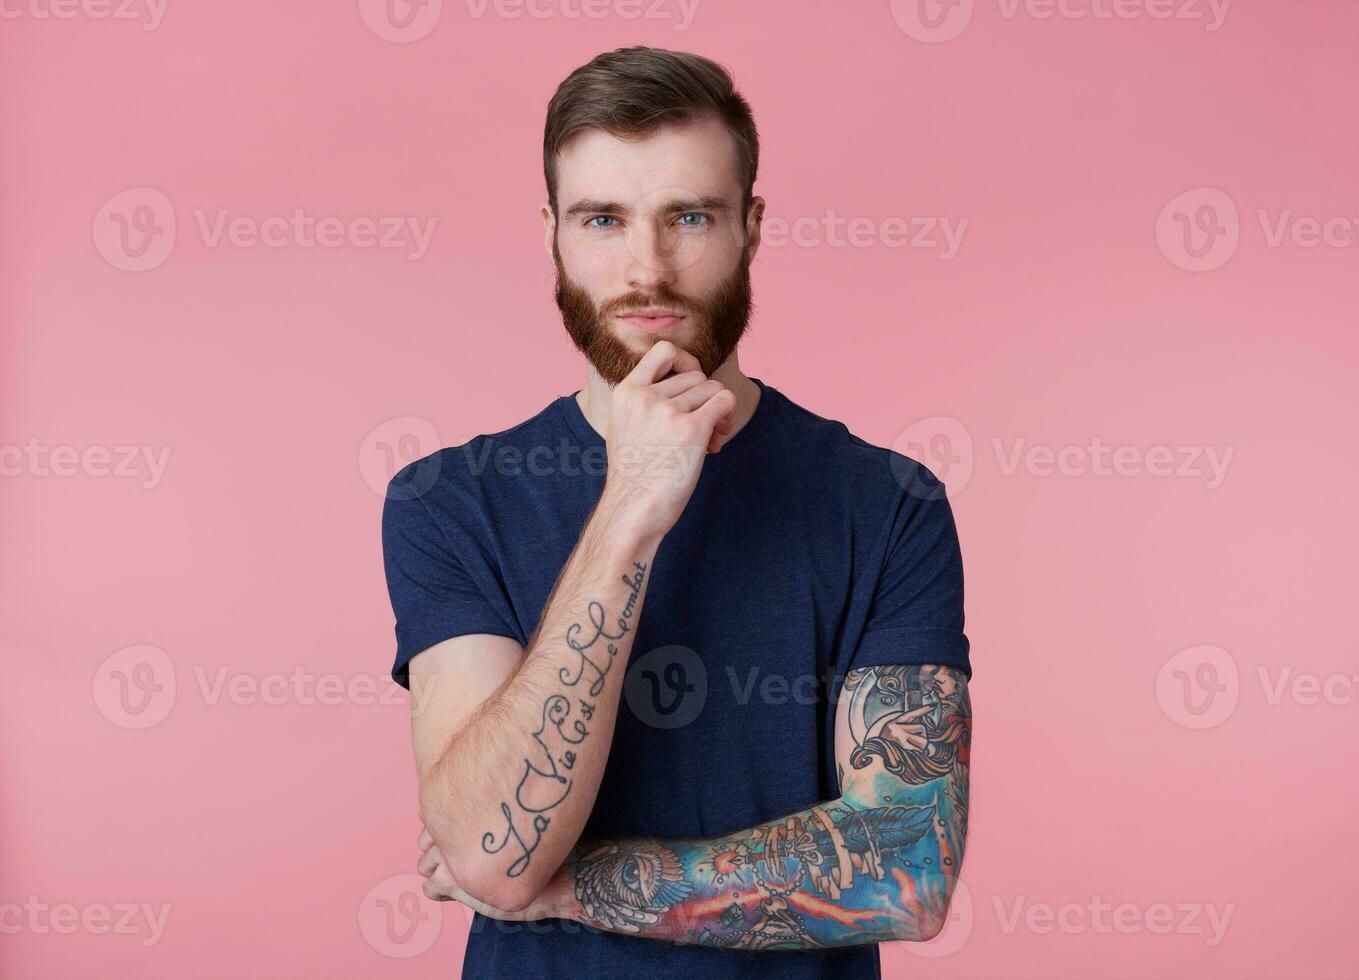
{"points": [[875, 865]]}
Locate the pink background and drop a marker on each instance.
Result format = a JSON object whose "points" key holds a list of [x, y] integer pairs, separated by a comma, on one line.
{"points": [[277, 829]]}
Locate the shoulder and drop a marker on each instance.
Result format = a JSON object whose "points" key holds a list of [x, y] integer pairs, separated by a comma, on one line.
{"points": [[832, 448], [468, 465]]}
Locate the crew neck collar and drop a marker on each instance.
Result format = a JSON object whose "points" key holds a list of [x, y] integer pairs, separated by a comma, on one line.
{"points": [[764, 410]]}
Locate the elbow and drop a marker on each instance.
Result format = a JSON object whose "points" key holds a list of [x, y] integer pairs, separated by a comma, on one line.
{"points": [[929, 927], [931, 919], [474, 871], [497, 890]]}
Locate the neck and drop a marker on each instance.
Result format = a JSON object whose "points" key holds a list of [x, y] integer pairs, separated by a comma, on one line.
{"points": [[596, 397]]}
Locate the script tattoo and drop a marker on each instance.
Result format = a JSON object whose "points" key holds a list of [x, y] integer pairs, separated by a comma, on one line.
{"points": [[564, 725]]}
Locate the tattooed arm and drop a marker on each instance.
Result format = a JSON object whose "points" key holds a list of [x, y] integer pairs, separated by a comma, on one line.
{"points": [[876, 864], [508, 777], [508, 793]]}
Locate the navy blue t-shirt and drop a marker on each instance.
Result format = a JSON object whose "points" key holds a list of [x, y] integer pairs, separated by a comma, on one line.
{"points": [[803, 552]]}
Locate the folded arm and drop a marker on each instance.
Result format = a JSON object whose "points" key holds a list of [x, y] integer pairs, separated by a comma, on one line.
{"points": [[876, 864]]}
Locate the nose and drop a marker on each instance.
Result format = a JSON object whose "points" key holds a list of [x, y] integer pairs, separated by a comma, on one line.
{"points": [[653, 254]]}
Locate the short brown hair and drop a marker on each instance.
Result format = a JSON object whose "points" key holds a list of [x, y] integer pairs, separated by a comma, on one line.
{"points": [[632, 92]]}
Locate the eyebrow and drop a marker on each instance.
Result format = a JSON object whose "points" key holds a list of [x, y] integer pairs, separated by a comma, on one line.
{"points": [[674, 207]]}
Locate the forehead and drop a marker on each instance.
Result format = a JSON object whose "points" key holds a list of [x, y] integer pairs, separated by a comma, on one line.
{"points": [[695, 157]]}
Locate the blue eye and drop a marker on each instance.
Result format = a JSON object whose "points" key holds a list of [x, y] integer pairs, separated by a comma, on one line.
{"points": [[702, 219], [600, 217]]}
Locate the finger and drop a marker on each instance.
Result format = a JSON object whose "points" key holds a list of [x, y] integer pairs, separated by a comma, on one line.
{"points": [[915, 713], [684, 361], [663, 357], [720, 432], [426, 839], [678, 383], [689, 400], [720, 405]]}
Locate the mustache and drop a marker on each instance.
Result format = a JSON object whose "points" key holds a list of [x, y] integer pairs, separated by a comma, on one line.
{"points": [[637, 300]]}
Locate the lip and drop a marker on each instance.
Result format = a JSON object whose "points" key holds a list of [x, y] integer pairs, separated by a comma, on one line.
{"points": [[652, 319]]}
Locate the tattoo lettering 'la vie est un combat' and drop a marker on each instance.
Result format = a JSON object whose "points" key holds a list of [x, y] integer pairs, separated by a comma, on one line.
{"points": [[564, 724], [876, 864]]}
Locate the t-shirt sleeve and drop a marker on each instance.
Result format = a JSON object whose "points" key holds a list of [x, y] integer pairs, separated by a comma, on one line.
{"points": [[429, 565], [916, 615]]}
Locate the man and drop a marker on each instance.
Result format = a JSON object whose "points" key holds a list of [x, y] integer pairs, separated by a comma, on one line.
{"points": [[691, 662]]}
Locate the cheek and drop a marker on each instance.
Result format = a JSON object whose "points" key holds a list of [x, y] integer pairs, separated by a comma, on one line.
{"points": [[596, 266], [707, 271]]}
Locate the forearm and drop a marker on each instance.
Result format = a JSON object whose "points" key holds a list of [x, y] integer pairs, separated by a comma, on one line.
{"points": [[842, 873], [510, 795]]}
